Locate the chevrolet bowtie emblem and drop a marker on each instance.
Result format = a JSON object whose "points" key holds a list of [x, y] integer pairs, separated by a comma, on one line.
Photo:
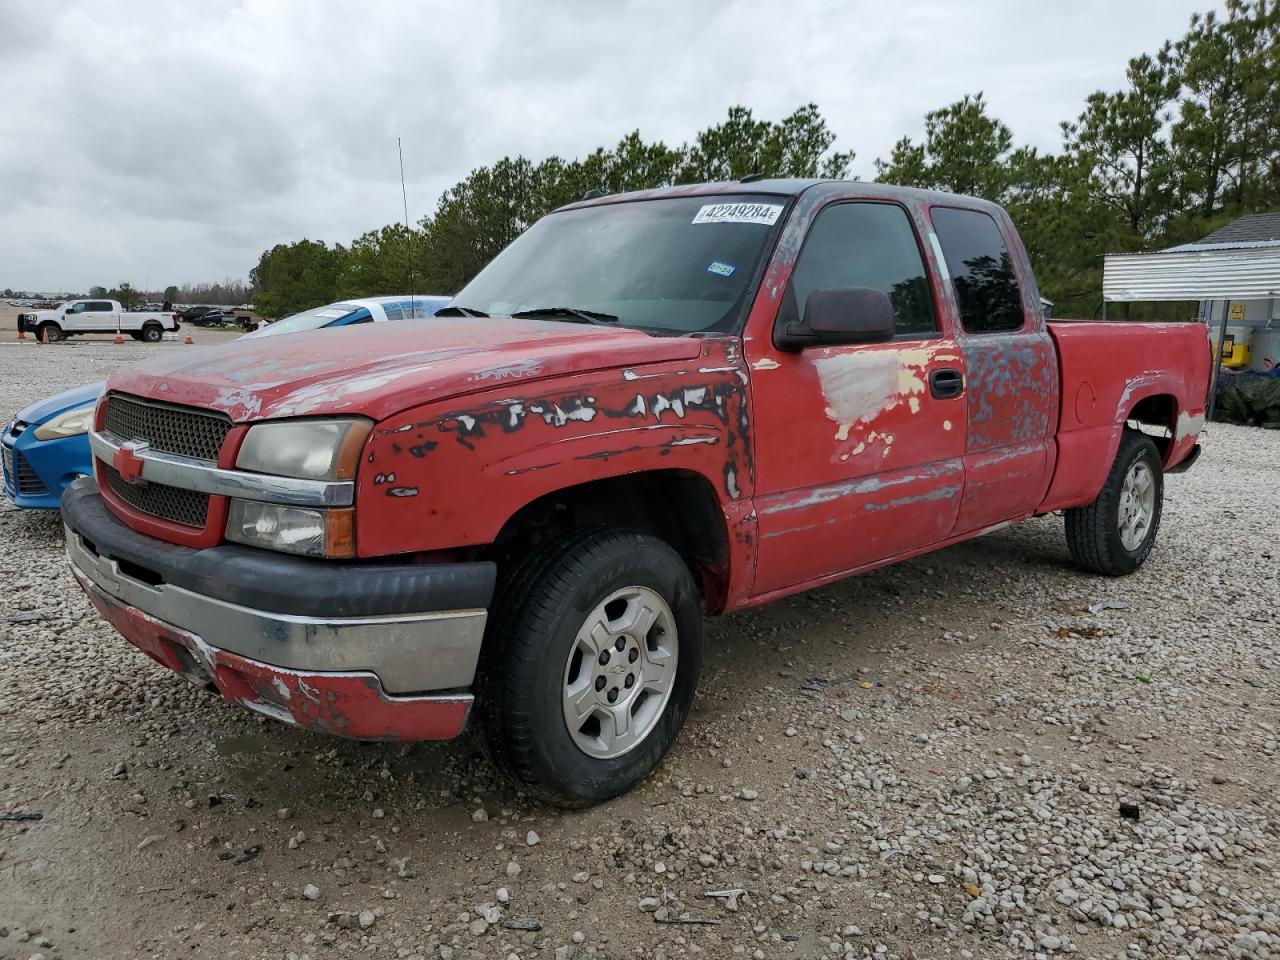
{"points": [[128, 461]]}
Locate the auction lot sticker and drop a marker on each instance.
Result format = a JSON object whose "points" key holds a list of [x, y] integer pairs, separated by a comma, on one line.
{"points": [[763, 213]]}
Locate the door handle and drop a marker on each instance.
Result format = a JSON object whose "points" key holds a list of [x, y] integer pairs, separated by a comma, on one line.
{"points": [[946, 383]]}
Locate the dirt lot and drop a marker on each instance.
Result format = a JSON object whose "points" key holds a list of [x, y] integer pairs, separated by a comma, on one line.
{"points": [[953, 757]]}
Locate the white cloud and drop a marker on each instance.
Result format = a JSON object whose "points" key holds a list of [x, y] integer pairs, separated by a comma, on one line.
{"points": [[164, 142]]}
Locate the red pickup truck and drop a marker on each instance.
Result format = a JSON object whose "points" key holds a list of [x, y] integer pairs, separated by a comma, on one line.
{"points": [[647, 407]]}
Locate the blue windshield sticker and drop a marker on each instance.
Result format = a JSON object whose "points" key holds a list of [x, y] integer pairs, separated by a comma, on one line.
{"points": [[721, 269]]}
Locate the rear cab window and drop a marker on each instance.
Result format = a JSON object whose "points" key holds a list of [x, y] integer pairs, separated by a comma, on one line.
{"points": [[867, 244], [982, 273]]}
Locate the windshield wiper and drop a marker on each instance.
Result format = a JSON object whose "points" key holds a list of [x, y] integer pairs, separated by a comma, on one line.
{"points": [[460, 312], [572, 314]]}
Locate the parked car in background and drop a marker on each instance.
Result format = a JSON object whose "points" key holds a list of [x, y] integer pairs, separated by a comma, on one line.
{"points": [[97, 316], [44, 447], [362, 310], [202, 316], [210, 316], [646, 407]]}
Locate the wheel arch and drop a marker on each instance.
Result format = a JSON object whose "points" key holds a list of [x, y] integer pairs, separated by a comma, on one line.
{"points": [[1158, 413], [678, 506]]}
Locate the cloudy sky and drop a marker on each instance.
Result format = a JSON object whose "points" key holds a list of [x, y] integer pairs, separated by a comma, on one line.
{"points": [[167, 142]]}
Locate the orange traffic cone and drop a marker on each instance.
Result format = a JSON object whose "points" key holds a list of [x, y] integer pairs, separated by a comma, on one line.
{"points": [[21, 335], [119, 338], [188, 340]]}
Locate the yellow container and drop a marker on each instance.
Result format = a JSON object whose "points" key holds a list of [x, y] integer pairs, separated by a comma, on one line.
{"points": [[1236, 356], [1236, 352]]}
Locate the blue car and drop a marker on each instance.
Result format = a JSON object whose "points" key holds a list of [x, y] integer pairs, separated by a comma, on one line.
{"points": [[46, 446], [363, 310]]}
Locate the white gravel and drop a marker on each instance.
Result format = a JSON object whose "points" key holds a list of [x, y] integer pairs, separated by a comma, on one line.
{"points": [[949, 758]]}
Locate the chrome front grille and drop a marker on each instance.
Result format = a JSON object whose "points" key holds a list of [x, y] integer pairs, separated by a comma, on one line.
{"points": [[186, 507], [171, 429]]}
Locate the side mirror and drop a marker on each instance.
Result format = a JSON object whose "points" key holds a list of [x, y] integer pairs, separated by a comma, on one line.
{"points": [[852, 315]]}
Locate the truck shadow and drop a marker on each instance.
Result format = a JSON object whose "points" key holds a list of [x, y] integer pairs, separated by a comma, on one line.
{"points": [[794, 648]]}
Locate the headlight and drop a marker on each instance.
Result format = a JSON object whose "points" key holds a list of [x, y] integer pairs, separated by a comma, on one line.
{"points": [[308, 449], [312, 533], [73, 423]]}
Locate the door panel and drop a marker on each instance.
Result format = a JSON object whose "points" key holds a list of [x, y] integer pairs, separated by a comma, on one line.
{"points": [[1011, 363], [861, 455], [1013, 386], [863, 463], [74, 321]]}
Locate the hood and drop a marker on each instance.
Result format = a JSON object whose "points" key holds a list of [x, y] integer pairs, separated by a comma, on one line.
{"points": [[381, 369], [42, 410]]}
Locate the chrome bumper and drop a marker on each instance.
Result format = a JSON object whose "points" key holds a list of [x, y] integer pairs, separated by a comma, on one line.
{"points": [[409, 652]]}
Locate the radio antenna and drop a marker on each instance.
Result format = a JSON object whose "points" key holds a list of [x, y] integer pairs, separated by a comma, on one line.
{"points": [[408, 233]]}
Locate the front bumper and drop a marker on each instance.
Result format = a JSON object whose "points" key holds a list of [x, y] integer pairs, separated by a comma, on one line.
{"points": [[359, 650], [36, 472]]}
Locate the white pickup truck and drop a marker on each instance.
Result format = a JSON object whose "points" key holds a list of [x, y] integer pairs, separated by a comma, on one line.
{"points": [[96, 316]]}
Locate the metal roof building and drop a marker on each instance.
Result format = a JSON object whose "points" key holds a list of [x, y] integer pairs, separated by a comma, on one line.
{"points": [[1234, 273], [1241, 261]]}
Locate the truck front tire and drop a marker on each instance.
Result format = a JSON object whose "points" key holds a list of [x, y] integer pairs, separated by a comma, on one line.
{"points": [[50, 332], [589, 665], [1114, 534]]}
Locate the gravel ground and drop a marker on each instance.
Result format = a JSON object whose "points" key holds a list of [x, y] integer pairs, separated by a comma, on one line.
{"points": [[956, 756]]}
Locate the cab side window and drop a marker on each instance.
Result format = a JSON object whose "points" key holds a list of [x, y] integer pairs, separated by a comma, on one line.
{"points": [[985, 283], [99, 306], [393, 311], [867, 245]]}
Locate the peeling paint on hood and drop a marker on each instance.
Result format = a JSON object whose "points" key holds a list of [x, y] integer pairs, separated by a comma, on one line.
{"points": [[377, 370]]}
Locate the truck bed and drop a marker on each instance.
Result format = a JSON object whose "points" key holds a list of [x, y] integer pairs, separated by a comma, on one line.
{"points": [[1118, 371]]}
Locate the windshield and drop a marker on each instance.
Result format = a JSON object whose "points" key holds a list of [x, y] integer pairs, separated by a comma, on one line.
{"points": [[681, 265], [307, 320]]}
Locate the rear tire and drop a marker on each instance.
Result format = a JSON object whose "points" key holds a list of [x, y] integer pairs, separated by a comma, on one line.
{"points": [[1114, 534], [152, 333], [589, 665], [50, 332]]}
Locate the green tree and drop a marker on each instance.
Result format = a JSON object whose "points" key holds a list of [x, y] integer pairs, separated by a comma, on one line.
{"points": [[170, 293], [296, 276], [97, 293], [128, 297], [798, 146], [964, 151], [1062, 224], [478, 217], [1121, 138], [378, 263], [1222, 140]]}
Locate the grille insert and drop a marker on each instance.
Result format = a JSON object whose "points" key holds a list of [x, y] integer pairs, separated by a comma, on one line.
{"points": [[179, 430], [186, 507], [18, 475]]}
